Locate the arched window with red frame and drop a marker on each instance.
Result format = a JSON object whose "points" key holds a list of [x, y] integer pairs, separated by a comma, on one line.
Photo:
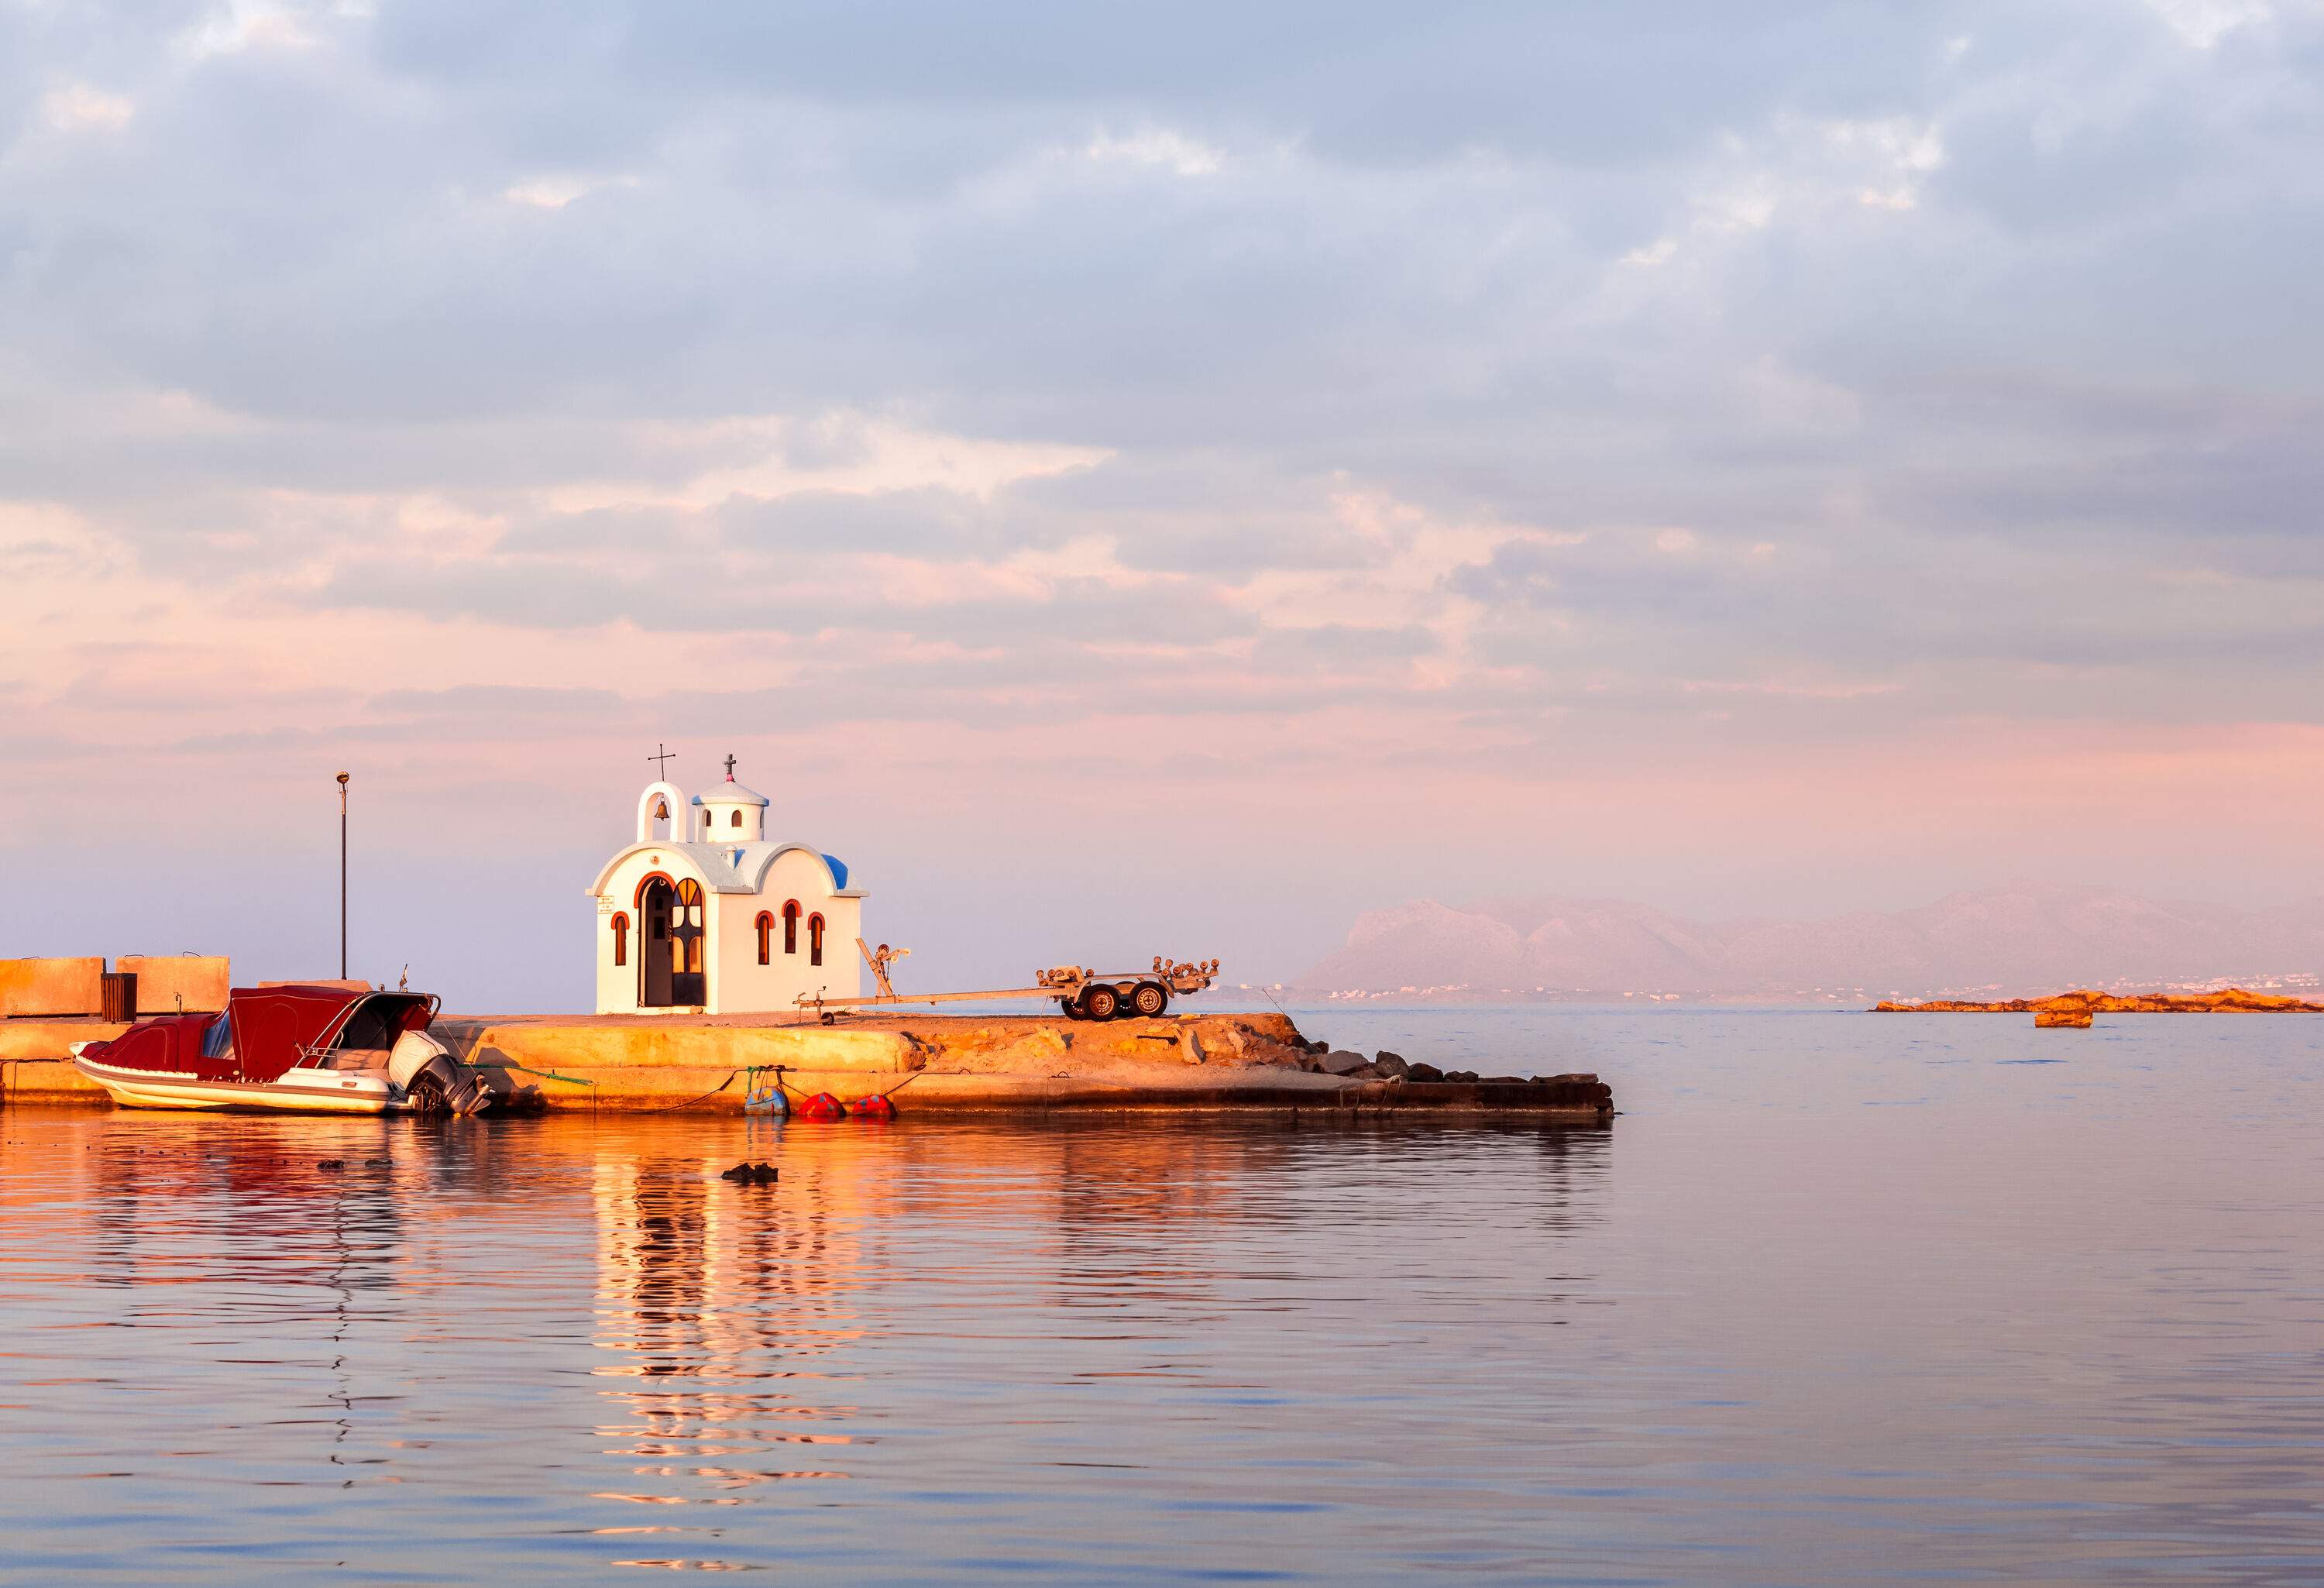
{"points": [[620, 938], [815, 939], [766, 938], [790, 927]]}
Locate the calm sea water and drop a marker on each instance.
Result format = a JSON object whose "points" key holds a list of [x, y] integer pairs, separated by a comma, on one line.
{"points": [[1840, 1298]]}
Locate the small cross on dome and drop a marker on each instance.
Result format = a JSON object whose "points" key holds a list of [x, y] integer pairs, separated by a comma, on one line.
{"points": [[730, 769]]}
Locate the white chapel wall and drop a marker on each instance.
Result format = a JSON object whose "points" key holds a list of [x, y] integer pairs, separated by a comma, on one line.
{"points": [[735, 980], [617, 985]]}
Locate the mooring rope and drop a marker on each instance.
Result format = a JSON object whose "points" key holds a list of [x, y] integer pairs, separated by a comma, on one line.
{"points": [[528, 1070], [891, 1092], [689, 1102]]}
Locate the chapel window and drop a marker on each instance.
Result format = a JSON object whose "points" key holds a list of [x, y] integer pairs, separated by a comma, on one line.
{"points": [[734, 820], [790, 927], [621, 939], [688, 928], [815, 939], [766, 937]]}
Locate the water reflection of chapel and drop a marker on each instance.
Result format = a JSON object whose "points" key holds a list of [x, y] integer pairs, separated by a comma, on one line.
{"points": [[702, 914]]}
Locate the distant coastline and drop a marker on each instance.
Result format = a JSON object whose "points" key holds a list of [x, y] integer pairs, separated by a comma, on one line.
{"points": [[2018, 941], [2089, 1001]]}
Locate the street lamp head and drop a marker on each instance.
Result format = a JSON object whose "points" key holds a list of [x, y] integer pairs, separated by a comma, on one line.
{"points": [[343, 780]]}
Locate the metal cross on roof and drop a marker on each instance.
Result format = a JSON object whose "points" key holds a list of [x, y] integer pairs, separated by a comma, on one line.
{"points": [[664, 756], [730, 769]]}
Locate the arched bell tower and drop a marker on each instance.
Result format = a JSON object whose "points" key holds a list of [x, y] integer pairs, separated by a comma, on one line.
{"points": [[662, 802]]}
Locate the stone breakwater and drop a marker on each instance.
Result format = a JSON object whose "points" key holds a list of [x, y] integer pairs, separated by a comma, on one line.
{"points": [[927, 1063], [2231, 1000]]}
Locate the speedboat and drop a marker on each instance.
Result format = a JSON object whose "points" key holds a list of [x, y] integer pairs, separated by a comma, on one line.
{"points": [[309, 1049]]}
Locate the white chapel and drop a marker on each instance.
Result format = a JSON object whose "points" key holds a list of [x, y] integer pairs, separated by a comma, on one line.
{"points": [[701, 915]]}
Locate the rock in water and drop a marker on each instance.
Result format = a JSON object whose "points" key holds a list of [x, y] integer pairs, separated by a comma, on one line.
{"points": [[1390, 1064], [1343, 1063], [1422, 1072]]}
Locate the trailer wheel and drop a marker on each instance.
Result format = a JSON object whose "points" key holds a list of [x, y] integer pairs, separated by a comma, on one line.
{"points": [[1149, 999], [1072, 1007], [1100, 1003]]}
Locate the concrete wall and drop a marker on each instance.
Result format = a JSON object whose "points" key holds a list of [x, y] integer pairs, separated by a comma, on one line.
{"points": [[200, 979], [51, 986]]}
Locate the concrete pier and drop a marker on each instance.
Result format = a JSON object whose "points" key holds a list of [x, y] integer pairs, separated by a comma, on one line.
{"points": [[927, 1063]]}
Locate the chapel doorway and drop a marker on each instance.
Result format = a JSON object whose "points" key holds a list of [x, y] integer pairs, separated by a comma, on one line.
{"points": [[653, 943], [670, 939]]}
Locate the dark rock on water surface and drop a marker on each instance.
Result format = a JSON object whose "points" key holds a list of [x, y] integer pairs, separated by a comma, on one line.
{"points": [[751, 1174], [1342, 1063], [330, 1166], [1577, 1091], [1422, 1072], [1390, 1064]]}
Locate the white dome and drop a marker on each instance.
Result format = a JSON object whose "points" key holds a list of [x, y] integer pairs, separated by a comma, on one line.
{"points": [[731, 792]]}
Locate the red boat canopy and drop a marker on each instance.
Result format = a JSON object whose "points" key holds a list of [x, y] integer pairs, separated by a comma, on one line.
{"points": [[271, 1029], [272, 1026]]}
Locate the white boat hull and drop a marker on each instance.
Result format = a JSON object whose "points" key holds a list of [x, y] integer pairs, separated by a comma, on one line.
{"points": [[297, 1090]]}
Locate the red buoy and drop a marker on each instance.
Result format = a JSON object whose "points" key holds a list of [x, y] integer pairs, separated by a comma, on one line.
{"points": [[823, 1105], [875, 1107]]}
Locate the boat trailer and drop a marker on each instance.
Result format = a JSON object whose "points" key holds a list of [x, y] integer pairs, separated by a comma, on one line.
{"points": [[1084, 994]]}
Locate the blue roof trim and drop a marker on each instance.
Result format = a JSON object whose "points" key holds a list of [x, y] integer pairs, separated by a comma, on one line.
{"points": [[838, 870]]}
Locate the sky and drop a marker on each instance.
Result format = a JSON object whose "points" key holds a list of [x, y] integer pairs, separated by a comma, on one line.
{"points": [[1149, 479]]}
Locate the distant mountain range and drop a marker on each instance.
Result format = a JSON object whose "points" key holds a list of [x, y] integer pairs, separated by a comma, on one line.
{"points": [[2011, 940]]}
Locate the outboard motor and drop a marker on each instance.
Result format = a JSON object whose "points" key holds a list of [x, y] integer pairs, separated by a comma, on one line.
{"points": [[433, 1081]]}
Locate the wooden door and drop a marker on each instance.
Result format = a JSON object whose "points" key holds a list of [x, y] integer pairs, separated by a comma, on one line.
{"points": [[654, 945]]}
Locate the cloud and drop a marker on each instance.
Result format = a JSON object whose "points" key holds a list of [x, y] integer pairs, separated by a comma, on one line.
{"points": [[555, 193], [78, 107], [1156, 146], [2202, 23], [1427, 401]]}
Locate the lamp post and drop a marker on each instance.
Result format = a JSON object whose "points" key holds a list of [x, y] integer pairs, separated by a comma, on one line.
{"points": [[342, 876]]}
